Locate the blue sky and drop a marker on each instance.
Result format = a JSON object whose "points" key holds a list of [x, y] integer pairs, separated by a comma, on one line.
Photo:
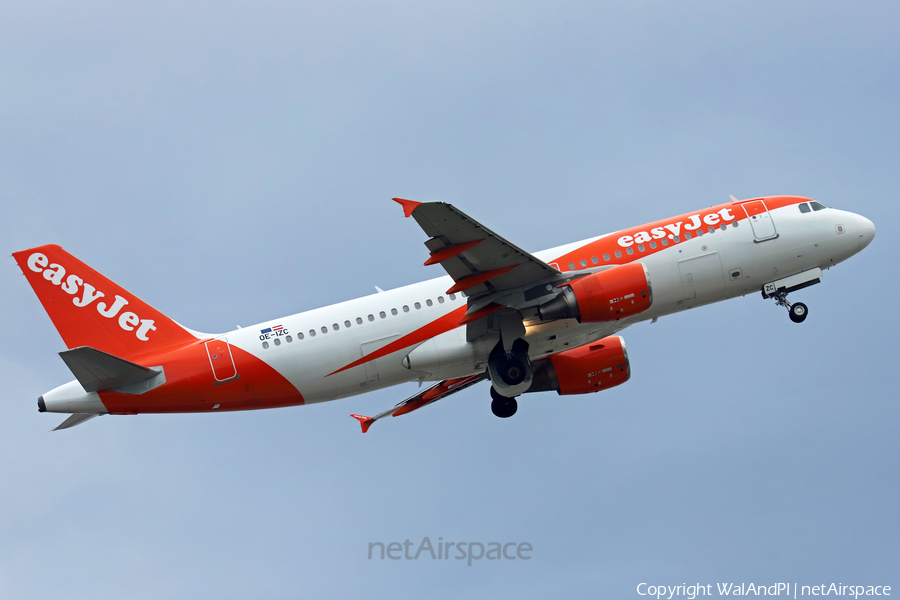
{"points": [[233, 162]]}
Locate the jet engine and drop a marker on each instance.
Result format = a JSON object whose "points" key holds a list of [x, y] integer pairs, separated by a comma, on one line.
{"points": [[609, 295], [591, 368]]}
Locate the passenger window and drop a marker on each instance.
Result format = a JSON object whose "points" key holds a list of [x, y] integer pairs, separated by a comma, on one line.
{"points": [[346, 323], [324, 329], [735, 224], [641, 248], [265, 345], [571, 265], [712, 229], [359, 320], [676, 239], [606, 257], [289, 339], [394, 311], [382, 315], [440, 299], [583, 263], [429, 302], [652, 245], [817, 206], [804, 207], [405, 308], [630, 250], [312, 333], [665, 242], [687, 235], [618, 254], [723, 226], [335, 326], [300, 336], [277, 341], [371, 318], [594, 260], [417, 305], [453, 296]]}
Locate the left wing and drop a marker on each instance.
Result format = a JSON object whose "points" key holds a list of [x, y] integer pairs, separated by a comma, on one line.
{"points": [[476, 258], [442, 389], [491, 271]]}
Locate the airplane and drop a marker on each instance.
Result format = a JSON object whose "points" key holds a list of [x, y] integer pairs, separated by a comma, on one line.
{"points": [[524, 322]]}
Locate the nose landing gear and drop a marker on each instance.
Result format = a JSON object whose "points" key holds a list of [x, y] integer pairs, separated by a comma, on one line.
{"points": [[796, 311], [780, 289]]}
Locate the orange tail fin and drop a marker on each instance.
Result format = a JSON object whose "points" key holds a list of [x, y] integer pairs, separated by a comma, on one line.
{"points": [[90, 310]]}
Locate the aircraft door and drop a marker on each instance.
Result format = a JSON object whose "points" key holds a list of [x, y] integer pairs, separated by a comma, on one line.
{"points": [[760, 220], [220, 360]]}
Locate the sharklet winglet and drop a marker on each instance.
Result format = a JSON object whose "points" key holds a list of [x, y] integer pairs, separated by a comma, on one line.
{"points": [[408, 205], [364, 421]]}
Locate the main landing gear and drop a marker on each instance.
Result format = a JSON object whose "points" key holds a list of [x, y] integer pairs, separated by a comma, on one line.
{"points": [[511, 374], [796, 311], [502, 406]]}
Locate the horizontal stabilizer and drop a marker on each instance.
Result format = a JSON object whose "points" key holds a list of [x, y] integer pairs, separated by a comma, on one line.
{"points": [[75, 419], [96, 370]]}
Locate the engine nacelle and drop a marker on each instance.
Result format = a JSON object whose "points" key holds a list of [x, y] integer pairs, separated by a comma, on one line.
{"points": [[609, 295], [591, 368]]}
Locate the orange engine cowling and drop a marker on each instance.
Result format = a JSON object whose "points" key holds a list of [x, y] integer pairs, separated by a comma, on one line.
{"points": [[591, 368], [609, 295]]}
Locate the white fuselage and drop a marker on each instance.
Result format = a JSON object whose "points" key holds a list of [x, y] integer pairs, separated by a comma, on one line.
{"points": [[727, 263]]}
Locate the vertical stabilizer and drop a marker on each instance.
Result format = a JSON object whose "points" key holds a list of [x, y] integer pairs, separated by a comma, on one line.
{"points": [[90, 310]]}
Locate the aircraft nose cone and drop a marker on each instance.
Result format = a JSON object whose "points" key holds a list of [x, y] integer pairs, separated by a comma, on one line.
{"points": [[866, 230]]}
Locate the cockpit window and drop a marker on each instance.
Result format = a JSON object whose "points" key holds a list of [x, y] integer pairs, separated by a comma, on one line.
{"points": [[804, 208], [817, 206]]}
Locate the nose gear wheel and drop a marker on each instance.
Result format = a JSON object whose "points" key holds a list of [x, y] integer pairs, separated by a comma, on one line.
{"points": [[797, 311]]}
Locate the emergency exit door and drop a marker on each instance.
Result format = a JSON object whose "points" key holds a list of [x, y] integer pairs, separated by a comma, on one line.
{"points": [[220, 359]]}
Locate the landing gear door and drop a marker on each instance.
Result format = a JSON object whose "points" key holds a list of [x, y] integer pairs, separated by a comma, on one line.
{"points": [[760, 220], [220, 360]]}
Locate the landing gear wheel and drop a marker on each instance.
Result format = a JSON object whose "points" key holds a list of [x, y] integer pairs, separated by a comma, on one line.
{"points": [[511, 370], [798, 312], [504, 408]]}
